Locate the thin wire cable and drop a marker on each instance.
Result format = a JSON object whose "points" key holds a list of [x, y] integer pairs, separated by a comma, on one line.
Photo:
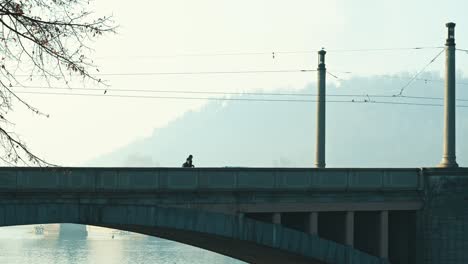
{"points": [[207, 72], [183, 73], [175, 97], [333, 75], [417, 74], [269, 53], [464, 50], [190, 55], [382, 49], [107, 91], [169, 91], [429, 98], [400, 78], [237, 99]]}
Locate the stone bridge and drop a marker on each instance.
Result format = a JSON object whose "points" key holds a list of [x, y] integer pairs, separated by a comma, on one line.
{"points": [[258, 215]]}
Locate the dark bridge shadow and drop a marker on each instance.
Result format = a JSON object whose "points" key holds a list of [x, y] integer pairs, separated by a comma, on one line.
{"points": [[244, 239]]}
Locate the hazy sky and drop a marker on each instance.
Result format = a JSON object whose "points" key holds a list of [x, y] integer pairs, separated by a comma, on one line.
{"points": [[152, 33]]}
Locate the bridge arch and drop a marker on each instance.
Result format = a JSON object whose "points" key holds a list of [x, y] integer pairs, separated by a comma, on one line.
{"points": [[237, 237]]}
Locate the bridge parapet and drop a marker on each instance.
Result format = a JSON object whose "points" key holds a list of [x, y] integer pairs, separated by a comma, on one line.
{"points": [[207, 179]]}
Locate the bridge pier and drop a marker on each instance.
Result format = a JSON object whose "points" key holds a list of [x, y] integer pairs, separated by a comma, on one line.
{"points": [[383, 234], [276, 218], [372, 227], [349, 228], [312, 223]]}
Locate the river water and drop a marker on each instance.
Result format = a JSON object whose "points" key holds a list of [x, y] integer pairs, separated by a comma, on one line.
{"points": [[19, 245]]}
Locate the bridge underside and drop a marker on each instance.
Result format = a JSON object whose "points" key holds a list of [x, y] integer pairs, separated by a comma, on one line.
{"points": [[237, 237], [250, 252]]}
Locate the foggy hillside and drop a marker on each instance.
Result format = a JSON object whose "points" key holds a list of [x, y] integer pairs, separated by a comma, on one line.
{"points": [[359, 134]]}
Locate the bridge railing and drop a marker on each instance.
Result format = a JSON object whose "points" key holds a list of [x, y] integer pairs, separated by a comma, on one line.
{"points": [[206, 179]]}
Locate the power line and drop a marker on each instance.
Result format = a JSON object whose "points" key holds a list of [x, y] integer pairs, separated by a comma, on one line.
{"points": [[237, 99], [332, 75], [227, 93], [416, 75], [269, 53], [400, 78], [185, 73], [171, 91], [382, 49], [177, 97], [429, 98], [201, 72], [191, 55]]}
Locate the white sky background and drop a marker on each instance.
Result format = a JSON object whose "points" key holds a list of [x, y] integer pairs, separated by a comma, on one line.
{"points": [[80, 128]]}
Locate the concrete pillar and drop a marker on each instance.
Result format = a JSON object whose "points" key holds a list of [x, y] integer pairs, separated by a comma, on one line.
{"points": [[276, 219], [320, 144], [449, 158], [312, 222], [383, 234], [349, 228]]}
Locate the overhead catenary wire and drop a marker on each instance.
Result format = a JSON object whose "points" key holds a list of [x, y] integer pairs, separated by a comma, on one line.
{"points": [[241, 71], [109, 90], [236, 99], [332, 75], [383, 49], [205, 72], [397, 77], [184, 73], [400, 94], [414, 78], [402, 89], [428, 98], [270, 53]]}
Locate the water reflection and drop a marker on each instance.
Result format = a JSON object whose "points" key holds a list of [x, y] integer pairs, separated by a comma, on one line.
{"points": [[22, 245]]}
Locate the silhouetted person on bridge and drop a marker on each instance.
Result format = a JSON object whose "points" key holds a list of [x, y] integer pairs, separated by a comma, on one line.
{"points": [[188, 163]]}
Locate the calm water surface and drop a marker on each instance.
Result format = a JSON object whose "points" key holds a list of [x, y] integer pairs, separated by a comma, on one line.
{"points": [[21, 245]]}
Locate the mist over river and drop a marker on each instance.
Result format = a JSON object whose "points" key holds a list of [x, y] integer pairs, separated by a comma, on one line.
{"points": [[21, 245]]}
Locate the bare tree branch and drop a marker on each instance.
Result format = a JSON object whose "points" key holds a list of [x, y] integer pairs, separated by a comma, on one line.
{"points": [[50, 38]]}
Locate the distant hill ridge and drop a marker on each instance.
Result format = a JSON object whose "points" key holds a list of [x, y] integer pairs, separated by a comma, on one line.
{"points": [[282, 134]]}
